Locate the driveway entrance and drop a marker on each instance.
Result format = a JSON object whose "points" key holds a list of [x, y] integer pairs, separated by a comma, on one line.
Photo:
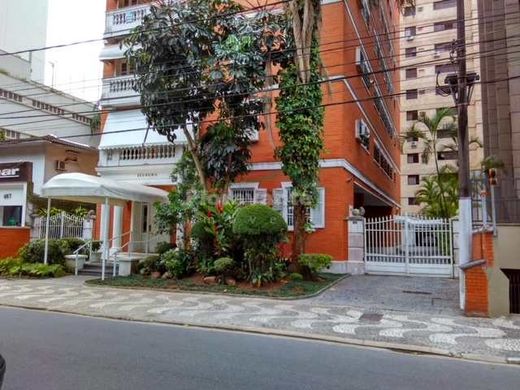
{"points": [[400, 293]]}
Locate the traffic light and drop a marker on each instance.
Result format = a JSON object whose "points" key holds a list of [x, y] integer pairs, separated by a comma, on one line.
{"points": [[492, 176]]}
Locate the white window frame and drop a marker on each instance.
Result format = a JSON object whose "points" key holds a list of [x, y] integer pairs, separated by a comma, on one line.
{"points": [[247, 186], [285, 186]]}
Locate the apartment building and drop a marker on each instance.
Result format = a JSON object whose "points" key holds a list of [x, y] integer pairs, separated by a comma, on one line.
{"points": [[360, 163], [428, 30], [500, 37]]}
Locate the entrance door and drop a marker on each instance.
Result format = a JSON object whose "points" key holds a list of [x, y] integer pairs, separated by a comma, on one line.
{"points": [[143, 228]]}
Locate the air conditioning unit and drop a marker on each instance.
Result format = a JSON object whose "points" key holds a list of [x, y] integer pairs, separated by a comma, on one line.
{"points": [[422, 114], [362, 130], [60, 166], [413, 144], [410, 37], [360, 59], [254, 136]]}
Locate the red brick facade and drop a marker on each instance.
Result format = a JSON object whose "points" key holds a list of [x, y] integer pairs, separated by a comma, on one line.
{"points": [[12, 239]]}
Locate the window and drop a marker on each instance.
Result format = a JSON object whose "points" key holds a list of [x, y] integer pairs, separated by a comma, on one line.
{"points": [[410, 32], [446, 68], [443, 4], [409, 11], [412, 201], [410, 52], [365, 10], [383, 162], [412, 115], [411, 73], [443, 47], [411, 94], [11, 215], [413, 180], [243, 195], [443, 26], [447, 155], [282, 202], [412, 158]]}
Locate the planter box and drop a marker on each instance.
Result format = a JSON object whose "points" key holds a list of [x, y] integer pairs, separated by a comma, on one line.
{"points": [[70, 261]]}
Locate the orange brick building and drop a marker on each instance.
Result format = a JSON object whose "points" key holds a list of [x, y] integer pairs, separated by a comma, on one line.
{"points": [[360, 162]]}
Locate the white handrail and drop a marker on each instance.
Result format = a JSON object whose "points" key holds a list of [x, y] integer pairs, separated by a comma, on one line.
{"points": [[76, 253]]}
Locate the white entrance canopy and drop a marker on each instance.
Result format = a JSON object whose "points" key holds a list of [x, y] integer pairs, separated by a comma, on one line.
{"points": [[93, 189], [80, 187]]}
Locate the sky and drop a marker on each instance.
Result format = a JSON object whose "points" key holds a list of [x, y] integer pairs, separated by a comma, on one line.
{"points": [[75, 69]]}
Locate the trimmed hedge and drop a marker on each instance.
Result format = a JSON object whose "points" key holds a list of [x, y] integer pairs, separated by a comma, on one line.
{"points": [[34, 251], [259, 220]]}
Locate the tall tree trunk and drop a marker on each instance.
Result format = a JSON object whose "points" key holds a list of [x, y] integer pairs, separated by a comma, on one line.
{"points": [[300, 219], [196, 158]]}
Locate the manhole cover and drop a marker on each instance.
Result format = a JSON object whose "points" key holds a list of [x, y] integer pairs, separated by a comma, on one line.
{"points": [[417, 292], [372, 317]]}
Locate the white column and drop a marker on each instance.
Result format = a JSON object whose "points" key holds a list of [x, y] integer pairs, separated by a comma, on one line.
{"points": [[465, 238], [103, 225], [117, 227], [105, 221], [47, 226]]}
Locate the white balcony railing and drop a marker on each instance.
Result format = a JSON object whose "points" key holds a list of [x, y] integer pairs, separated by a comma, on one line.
{"points": [[139, 155], [119, 91], [121, 21]]}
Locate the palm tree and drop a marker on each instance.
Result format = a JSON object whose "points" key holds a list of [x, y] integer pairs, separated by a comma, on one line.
{"points": [[427, 130], [430, 194]]}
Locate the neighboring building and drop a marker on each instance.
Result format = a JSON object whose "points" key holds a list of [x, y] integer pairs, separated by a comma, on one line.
{"points": [[360, 165], [500, 35], [33, 117], [15, 16], [428, 30]]}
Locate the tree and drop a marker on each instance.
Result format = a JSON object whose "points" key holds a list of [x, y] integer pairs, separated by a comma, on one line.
{"points": [[428, 129], [300, 115], [203, 61], [430, 194]]}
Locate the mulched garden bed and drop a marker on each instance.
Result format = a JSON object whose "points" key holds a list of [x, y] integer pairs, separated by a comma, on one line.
{"points": [[283, 289]]}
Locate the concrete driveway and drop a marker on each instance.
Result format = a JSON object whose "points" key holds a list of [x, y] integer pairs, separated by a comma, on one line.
{"points": [[400, 293]]}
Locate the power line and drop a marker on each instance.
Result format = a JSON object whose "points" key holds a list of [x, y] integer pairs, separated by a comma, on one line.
{"points": [[166, 92]]}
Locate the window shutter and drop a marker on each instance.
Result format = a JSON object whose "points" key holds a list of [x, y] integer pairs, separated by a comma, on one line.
{"points": [[261, 196], [318, 211], [278, 200]]}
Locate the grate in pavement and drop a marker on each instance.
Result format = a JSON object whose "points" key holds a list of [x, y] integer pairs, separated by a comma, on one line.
{"points": [[417, 292], [372, 317]]}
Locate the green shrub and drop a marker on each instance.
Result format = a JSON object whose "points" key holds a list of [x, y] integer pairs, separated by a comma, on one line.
{"points": [[96, 245], [206, 266], [315, 262], [150, 264], [72, 245], [163, 247], [34, 251], [178, 262], [17, 268], [295, 276], [259, 220], [261, 229]]}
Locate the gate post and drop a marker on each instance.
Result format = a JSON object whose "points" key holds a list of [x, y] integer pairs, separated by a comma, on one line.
{"points": [[62, 223], [356, 245], [406, 245]]}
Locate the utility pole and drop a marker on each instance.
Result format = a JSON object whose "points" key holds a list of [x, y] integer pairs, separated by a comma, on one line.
{"points": [[461, 88]]}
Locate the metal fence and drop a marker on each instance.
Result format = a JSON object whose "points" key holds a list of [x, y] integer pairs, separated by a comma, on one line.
{"points": [[63, 225]]}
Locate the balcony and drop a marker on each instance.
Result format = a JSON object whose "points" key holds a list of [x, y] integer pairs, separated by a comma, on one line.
{"points": [[139, 155], [119, 91], [121, 21]]}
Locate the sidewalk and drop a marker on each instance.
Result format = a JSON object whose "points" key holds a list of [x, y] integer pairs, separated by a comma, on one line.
{"points": [[454, 335]]}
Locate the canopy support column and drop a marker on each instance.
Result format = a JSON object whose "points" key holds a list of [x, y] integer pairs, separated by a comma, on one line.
{"points": [[106, 250], [47, 226]]}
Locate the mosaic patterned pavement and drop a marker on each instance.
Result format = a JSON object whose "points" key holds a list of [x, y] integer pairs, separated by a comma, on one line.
{"points": [[458, 335]]}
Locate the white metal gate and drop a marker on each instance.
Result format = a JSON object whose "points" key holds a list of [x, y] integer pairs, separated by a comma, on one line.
{"points": [[63, 225], [409, 245]]}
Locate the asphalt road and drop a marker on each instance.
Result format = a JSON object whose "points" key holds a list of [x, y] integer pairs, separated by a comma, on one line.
{"points": [[54, 351]]}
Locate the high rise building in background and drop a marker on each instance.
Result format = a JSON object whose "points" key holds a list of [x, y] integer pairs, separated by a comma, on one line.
{"points": [[500, 36], [428, 31], [360, 165], [23, 25]]}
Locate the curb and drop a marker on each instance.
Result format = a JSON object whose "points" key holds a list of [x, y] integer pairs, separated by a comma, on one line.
{"points": [[395, 347], [217, 293]]}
